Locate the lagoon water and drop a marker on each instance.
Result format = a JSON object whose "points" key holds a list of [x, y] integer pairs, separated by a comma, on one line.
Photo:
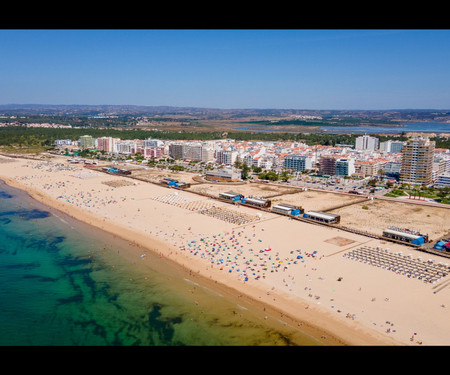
{"points": [[65, 283], [420, 127]]}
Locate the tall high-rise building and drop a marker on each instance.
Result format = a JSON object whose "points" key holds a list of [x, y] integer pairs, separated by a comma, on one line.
{"points": [[366, 142], [417, 161], [105, 144]]}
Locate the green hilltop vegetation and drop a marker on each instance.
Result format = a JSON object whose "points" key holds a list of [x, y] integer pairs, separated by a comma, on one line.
{"points": [[179, 123], [44, 137]]}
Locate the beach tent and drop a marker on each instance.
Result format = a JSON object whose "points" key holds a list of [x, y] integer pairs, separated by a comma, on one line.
{"points": [[446, 247]]}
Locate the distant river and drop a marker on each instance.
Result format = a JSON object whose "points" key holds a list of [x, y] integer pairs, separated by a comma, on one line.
{"points": [[424, 127]]}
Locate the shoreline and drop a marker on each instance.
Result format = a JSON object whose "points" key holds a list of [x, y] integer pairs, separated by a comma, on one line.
{"points": [[308, 296], [163, 250], [285, 326], [300, 315]]}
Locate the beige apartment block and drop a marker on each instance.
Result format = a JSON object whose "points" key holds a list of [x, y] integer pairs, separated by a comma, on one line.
{"points": [[417, 161]]}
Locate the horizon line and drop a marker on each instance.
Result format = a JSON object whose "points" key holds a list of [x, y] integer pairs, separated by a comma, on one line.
{"points": [[231, 108]]}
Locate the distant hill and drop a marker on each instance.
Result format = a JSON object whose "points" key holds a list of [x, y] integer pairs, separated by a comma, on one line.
{"points": [[136, 110]]}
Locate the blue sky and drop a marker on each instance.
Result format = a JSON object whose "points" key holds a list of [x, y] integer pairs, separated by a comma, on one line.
{"points": [[299, 69]]}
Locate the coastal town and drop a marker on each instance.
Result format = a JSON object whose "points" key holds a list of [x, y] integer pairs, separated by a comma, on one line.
{"points": [[344, 166]]}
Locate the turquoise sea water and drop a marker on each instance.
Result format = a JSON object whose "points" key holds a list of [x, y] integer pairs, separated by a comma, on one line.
{"points": [[64, 283]]}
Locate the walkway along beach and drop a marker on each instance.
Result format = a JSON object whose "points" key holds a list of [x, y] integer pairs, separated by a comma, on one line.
{"points": [[304, 274]]}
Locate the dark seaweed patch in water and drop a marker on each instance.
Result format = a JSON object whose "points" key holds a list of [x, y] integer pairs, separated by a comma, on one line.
{"points": [[92, 324], [76, 262], [5, 195], [164, 328], [76, 298], [27, 214], [50, 245], [41, 278], [24, 266], [33, 214]]}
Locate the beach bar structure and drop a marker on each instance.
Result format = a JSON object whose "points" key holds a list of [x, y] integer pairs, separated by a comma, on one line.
{"points": [[256, 202], [288, 209], [322, 217], [442, 245], [175, 183], [116, 170], [405, 235], [169, 181], [231, 195]]}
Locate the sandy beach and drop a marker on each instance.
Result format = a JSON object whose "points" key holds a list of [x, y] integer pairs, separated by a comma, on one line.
{"points": [[306, 275]]}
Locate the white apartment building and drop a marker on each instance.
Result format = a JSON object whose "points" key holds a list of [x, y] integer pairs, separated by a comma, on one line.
{"points": [[391, 147], [126, 147], [266, 163], [207, 154], [193, 152], [226, 157], [152, 143], [345, 167], [64, 142], [443, 180], [441, 164], [366, 142], [251, 161]]}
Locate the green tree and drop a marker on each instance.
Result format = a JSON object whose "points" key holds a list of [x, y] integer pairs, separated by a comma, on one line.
{"points": [[284, 176], [176, 168], [244, 171], [272, 176], [443, 192], [238, 164], [138, 156]]}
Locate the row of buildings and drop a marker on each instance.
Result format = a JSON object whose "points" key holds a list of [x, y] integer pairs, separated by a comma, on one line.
{"points": [[411, 162], [415, 161]]}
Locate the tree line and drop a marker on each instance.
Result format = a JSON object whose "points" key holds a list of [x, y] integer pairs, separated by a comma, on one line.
{"points": [[22, 136]]}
